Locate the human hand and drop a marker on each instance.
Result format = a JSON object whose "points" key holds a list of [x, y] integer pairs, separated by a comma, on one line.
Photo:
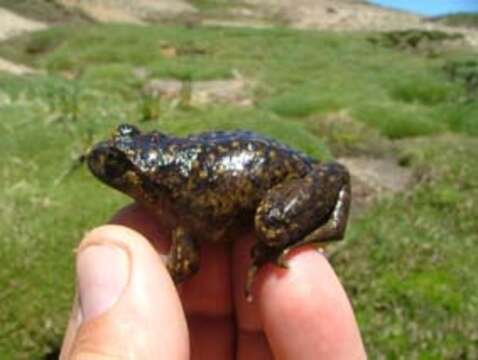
{"points": [[129, 308]]}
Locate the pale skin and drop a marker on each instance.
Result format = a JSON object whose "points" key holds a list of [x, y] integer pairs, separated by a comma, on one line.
{"points": [[298, 313]]}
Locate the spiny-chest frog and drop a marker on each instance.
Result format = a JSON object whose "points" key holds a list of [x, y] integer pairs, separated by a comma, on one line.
{"points": [[208, 186]]}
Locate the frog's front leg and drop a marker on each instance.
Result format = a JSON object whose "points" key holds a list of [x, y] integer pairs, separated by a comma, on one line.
{"points": [[313, 209], [183, 258]]}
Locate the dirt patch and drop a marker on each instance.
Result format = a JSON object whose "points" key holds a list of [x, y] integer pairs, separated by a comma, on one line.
{"points": [[138, 11], [15, 69], [375, 178], [13, 24], [103, 12], [234, 91]]}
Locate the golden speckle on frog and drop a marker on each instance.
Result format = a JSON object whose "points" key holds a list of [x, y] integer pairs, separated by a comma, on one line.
{"points": [[207, 186]]}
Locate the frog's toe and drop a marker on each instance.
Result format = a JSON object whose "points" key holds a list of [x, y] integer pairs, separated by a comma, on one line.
{"points": [[281, 260], [321, 248], [251, 274]]}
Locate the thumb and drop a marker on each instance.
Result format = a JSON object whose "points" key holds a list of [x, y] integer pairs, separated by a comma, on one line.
{"points": [[127, 306]]}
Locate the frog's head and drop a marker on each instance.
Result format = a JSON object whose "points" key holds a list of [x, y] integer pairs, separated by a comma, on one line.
{"points": [[110, 160], [123, 161]]}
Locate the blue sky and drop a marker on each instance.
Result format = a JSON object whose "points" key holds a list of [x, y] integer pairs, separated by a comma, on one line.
{"points": [[431, 7]]}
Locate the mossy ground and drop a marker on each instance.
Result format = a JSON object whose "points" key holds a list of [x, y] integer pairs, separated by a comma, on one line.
{"points": [[409, 262]]}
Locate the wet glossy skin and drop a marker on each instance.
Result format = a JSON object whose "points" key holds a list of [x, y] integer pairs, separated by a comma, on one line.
{"points": [[209, 186]]}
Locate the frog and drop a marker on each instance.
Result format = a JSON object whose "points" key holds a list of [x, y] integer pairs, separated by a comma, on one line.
{"points": [[210, 186]]}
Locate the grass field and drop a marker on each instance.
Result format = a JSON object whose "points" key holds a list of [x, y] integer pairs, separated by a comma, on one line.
{"points": [[409, 262]]}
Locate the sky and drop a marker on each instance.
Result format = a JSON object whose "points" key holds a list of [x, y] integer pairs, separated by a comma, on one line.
{"points": [[431, 7]]}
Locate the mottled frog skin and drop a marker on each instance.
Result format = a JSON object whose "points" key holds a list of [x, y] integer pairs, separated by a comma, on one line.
{"points": [[209, 186]]}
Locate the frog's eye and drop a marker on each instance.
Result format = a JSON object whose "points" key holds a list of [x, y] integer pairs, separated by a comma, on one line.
{"points": [[126, 130]]}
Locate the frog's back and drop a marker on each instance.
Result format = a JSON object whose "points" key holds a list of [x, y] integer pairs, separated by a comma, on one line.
{"points": [[247, 142], [224, 137], [230, 156], [232, 172]]}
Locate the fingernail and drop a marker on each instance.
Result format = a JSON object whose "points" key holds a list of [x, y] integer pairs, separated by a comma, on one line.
{"points": [[103, 273]]}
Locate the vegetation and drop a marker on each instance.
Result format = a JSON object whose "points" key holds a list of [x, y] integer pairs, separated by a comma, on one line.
{"points": [[464, 71], [460, 19], [210, 4], [49, 11], [412, 39], [409, 262]]}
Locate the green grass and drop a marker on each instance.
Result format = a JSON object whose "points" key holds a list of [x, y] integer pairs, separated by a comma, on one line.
{"points": [[409, 262], [298, 73]]}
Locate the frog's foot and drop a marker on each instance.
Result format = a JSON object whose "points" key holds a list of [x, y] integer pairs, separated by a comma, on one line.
{"points": [[281, 261], [251, 273], [260, 254], [183, 259]]}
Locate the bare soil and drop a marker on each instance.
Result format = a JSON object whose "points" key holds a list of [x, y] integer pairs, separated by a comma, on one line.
{"points": [[12, 25], [375, 178], [15, 69], [236, 91], [137, 11], [340, 15]]}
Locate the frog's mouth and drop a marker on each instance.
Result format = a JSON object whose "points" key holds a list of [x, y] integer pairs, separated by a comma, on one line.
{"points": [[112, 166]]}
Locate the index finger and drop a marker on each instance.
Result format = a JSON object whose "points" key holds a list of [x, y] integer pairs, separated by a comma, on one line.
{"points": [[305, 311]]}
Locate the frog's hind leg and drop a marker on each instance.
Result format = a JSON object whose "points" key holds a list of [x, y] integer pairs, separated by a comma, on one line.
{"points": [[183, 259], [308, 210], [313, 209], [333, 229]]}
